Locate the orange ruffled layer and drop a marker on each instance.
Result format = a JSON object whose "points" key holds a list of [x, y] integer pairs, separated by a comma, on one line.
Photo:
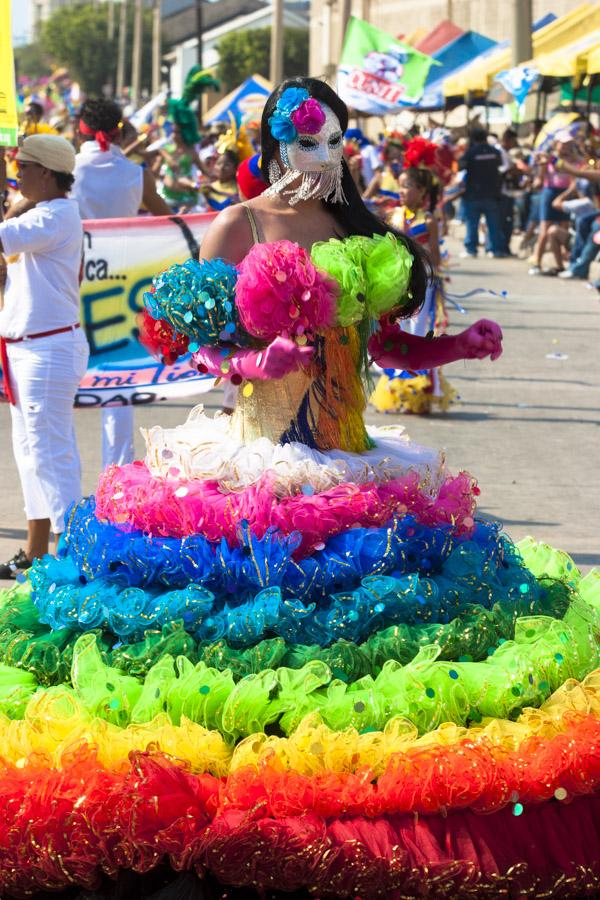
{"points": [[554, 748], [61, 828]]}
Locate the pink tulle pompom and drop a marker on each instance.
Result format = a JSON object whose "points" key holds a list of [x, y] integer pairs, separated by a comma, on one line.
{"points": [[309, 118], [279, 292]]}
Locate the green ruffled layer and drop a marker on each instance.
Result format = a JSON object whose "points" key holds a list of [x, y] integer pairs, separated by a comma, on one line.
{"points": [[473, 635], [545, 652]]}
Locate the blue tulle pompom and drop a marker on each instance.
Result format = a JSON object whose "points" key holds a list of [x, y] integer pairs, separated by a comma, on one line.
{"points": [[198, 299]]}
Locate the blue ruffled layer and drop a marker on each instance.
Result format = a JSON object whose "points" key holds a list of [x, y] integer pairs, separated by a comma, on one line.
{"points": [[65, 598], [128, 557]]}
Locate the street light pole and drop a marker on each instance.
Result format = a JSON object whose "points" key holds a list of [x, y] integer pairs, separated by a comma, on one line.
{"points": [[121, 50], [199, 31], [344, 19], [521, 31], [326, 39], [136, 62], [155, 47], [276, 67]]}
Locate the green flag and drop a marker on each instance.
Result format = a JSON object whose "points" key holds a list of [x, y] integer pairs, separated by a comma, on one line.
{"points": [[378, 74]]}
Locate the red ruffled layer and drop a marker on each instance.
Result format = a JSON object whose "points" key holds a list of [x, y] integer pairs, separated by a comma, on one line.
{"points": [[66, 827]]}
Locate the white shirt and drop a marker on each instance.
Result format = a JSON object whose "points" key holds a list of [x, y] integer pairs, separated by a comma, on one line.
{"points": [[579, 207], [371, 161], [42, 290], [107, 184]]}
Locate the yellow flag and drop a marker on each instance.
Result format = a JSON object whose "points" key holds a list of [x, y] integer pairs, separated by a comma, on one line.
{"points": [[9, 124]]}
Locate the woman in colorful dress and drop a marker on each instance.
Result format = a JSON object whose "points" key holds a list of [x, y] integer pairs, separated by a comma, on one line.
{"points": [[281, 656], [419, 184]]}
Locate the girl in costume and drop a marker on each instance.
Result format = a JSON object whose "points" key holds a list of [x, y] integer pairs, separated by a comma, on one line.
{"points": [[223, 191], [181, 166], [408, 391], [179, 185], [233, 147], [384, 190], [281, 656]]}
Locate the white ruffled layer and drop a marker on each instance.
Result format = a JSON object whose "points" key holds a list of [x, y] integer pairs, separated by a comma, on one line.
{"points": [[202, 448]]}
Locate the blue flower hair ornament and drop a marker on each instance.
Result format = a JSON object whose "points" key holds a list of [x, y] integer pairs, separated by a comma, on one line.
{"points": [[281, 122]]}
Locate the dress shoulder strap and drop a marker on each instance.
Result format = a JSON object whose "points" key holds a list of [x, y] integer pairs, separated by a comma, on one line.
{"points": [[257, 235]]}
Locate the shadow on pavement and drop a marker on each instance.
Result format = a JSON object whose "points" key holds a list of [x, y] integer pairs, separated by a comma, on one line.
{"points": [[17, 534]]}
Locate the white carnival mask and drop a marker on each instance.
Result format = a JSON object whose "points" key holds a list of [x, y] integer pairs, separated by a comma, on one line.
{"points": [[312, 157], [316, 152]]}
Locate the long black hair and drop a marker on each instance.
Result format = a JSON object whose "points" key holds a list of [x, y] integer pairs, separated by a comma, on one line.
{"points": [[353, 216]]}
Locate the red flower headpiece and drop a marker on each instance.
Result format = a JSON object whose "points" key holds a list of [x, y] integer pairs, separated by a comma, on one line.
{"points": [[420, 153]]}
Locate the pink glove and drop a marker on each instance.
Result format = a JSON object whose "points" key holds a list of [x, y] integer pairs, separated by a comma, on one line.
{"points": [[482, 339], [275, 361], [393, 348]]}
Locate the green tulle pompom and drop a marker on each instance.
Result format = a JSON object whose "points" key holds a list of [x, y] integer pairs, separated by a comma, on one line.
{"points": [[373, 275]]}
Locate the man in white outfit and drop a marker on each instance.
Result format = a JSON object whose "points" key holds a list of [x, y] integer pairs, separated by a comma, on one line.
{"points": [[110, 186], [44, 350]]}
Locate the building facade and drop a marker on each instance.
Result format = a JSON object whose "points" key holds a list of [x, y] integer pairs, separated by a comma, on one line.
{"points": [[401, 17], [179, 32], [40, 10]]}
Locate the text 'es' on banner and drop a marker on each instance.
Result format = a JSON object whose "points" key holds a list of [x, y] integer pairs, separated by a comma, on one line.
{"points": [[121, 257]]}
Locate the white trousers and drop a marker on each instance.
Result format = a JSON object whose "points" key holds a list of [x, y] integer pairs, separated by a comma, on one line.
{"points": [[230, 395], [45, 374], [117, 435]]}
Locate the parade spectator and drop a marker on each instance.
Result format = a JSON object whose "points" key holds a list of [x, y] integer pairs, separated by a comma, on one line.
{"points": [[44, 350], [518, 184], [370, 158], [384, 187], [223, 191], [33, 124], [554, 182], [584, 212], [586, 248], [109, 186], [482, 164], [181, 166], [510, 179]]}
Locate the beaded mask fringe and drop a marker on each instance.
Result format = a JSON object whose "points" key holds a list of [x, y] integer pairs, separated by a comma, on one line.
{"points": [[312, 185]]}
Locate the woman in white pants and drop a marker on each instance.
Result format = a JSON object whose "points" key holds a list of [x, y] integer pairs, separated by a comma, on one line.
{"points": [[44, 350]]}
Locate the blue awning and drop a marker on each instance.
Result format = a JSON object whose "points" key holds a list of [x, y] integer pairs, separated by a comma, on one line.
{"points": [[246, 100], [456, 56], [458, 52]]}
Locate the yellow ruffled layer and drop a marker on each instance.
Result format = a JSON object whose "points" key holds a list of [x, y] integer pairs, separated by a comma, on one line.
{"points": [[55, 726]]}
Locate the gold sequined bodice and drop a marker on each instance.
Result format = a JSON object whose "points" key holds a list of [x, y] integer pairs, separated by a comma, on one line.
{"points": [[321, 406]]}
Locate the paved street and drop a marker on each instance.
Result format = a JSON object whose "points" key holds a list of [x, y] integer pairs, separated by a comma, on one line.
{"points": [[528, 426]]}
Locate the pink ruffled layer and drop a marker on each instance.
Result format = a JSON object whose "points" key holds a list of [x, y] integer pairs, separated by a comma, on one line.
{"points": [[174, 508]]}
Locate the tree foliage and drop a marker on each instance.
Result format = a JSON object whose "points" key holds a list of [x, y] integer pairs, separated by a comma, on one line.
{"points": [[77, 37], [244, 53], [31, 61]]}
